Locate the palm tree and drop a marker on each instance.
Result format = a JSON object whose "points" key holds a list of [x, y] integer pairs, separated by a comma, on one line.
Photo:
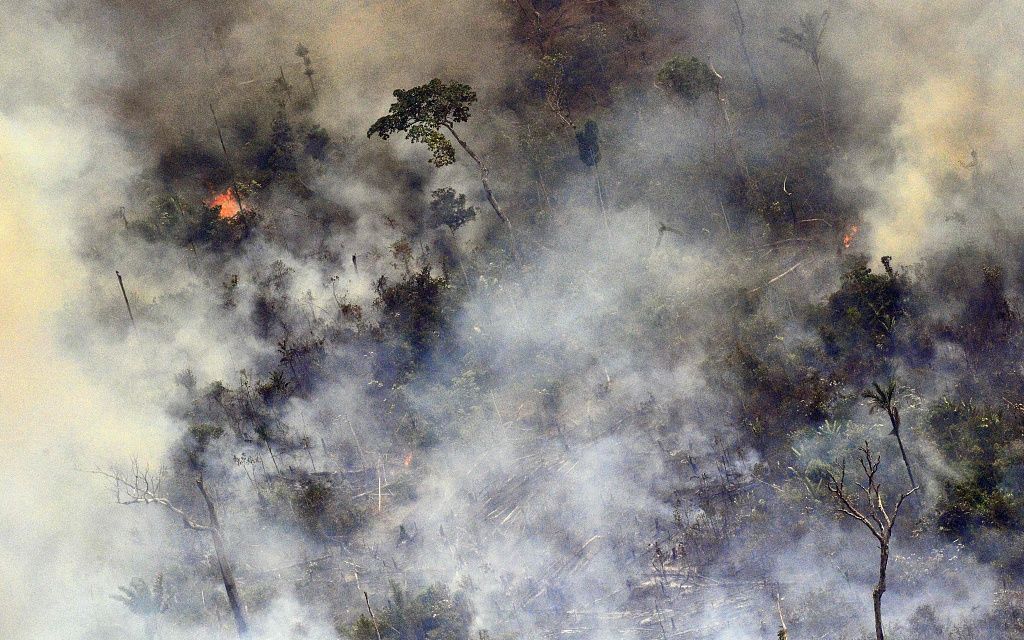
{"points": [[807, 38], [887, 399]]}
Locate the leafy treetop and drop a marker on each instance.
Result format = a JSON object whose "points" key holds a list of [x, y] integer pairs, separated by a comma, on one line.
{"points": [[449, 208], [687, 78], [421, 113]]}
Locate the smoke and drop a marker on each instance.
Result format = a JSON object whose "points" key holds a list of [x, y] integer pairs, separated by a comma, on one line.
{"points": [[60, 414], [943, 80], [567, 430]]}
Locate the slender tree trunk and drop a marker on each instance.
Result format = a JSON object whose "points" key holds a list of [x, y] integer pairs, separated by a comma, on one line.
{"points": [[226, 573], [125, 294], [490, 194], [895, 420], [906, 462], [876, 594], [483, 178], [599, 188], [825, 129], [741, 25], [741, 162], [227, 160]]}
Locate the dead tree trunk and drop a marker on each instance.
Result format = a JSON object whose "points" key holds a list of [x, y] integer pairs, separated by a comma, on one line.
{"points": [[487, 186], [125, 294], [226, 572], [741, 26], [876, 593], [141, 488], [870, 511], [734, 144]]}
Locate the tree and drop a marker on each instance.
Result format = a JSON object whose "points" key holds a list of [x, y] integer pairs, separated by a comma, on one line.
{"points": [[448, 208], [589, 148], [887, 399], [870, 511], [435, 613], [692, 78], [423, 113], [588, 144], [688, 78], [145, 600], [141, 488], [741, 27], [307, 66], [807, 38]]}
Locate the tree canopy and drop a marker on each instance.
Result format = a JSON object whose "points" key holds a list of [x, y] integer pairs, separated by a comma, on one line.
{"points": [[421, 113]]}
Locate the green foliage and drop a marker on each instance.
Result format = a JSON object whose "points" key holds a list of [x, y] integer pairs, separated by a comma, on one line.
{"points": [[143, 599], [818, 450], [421, 112], [176, 220], [449, 208], [688, 78], [326, 511], [280, 155], [316, 142], [858, 325], [989, 327], [772, 380], [200, 436], [413, 314], [433, 614], [985, 446]]}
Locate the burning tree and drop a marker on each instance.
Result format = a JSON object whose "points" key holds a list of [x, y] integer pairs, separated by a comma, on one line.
{"points": [[869, 509], [423, 114]]}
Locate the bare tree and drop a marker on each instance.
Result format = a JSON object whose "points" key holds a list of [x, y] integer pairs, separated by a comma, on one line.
{"points": [[140, 487], [887, 399], [867, 507]]}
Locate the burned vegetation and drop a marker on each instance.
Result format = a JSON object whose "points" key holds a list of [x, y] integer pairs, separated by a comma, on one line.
{"points": [[669, 389]]}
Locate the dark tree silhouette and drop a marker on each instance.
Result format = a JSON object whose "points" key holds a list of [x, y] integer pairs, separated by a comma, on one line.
{"points": [[867, 507], [424, 113]]}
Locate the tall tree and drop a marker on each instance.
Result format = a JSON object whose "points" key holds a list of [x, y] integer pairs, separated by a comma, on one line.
{"points": [[870, 510], [141, 488], [589, 147], [424, 113], [807, 38], [887, 399], [691, 78]]}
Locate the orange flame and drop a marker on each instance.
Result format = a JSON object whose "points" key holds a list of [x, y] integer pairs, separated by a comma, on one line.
{"points": [[407, 460], [848, 236], [227, 202]]}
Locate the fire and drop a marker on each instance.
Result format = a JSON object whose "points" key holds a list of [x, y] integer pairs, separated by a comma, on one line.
{"points": [[407, 460], [848, 236], [227, 202]]}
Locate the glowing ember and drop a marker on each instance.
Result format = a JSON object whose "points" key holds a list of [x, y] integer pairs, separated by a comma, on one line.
{"points": [[848, 236], [407, 460], [227, 202]]}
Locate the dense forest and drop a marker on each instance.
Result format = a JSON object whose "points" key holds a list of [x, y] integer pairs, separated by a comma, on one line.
{"points": [[517, 319]]}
